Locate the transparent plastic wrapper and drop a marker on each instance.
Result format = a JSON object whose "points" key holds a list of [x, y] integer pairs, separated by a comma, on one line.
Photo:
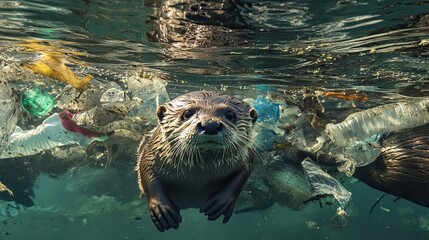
{"points": [[323, 184], [55, 131], [150, 89]]}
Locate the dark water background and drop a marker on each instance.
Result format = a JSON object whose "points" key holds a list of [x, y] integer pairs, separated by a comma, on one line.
{"points": [[374, 48]]}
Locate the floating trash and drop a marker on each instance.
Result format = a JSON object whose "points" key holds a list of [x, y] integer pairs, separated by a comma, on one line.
{"points": [[37, 102], [323, 184], [56, 130], [268, 111], [379, 120], [53, 66]]}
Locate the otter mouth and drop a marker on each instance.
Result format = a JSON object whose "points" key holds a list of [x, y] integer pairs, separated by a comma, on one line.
{"points": [[210, 143]]}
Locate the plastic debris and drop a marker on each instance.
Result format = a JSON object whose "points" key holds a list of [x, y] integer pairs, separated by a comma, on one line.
{"points": [[53, 66], [382, 119], [268, 111], [56, 130], [290, 187], [9, 111], [323, 184], [149, 88], [37, 102], [359, 154], [355, 141], [347, 95], [53, 47], [3, 188], [340, 218]]}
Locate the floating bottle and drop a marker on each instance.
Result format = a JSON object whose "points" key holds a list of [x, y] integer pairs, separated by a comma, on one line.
{"points": [[37, 102], [378, 120]]}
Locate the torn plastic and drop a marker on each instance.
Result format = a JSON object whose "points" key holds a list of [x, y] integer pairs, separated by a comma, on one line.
{"points": [[108, 107], [55, 131], [323, 184], [114, 106]]}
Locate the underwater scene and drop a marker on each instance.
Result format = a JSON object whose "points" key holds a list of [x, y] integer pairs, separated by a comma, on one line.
{"points": [[214, 119]]}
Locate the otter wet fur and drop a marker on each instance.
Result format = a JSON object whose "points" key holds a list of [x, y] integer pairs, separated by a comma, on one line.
{"points": [[199, 156]]}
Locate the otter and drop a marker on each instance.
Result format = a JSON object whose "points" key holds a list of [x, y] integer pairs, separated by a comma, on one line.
{"points": [[198, 156], [402, 169]]}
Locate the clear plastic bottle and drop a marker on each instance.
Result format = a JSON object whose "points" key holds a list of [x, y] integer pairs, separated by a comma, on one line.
{"points": [[379, 120]]}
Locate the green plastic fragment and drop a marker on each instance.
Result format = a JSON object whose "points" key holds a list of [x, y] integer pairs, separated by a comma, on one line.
{"points": [[37, 102]]}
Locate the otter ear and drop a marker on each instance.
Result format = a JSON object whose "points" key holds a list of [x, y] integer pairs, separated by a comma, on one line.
{"points": [[160, 112], [253, 115]]}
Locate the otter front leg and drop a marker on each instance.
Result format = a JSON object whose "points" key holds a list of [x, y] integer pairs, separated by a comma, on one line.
{"points": [[223, 200], [163, 211]]}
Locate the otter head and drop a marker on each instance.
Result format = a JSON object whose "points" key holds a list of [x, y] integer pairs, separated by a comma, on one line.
{"points": [[201, 122]]}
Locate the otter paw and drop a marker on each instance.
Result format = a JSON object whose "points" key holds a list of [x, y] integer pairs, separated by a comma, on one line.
{"points": [[164, 214], [219, 205]]}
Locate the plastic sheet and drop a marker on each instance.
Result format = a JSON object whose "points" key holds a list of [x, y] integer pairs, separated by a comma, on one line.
{"points": [[324, 184]]}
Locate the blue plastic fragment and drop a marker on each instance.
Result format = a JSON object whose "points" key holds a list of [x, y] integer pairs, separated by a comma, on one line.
{"points": [[268, 111]]}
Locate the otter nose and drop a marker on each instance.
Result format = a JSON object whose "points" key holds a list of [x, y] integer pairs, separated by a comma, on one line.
{"points": [[210, 127]]}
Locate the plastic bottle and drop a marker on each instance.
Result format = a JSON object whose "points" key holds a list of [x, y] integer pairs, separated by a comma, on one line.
{"points": [[37, 102], [379, 120]]}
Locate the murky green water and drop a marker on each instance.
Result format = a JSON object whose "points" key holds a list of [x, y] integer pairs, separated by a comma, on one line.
{"points": [[375, 52]]}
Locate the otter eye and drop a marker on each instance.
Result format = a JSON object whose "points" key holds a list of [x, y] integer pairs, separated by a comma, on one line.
{"points": [[230, 116], [187, 114]]}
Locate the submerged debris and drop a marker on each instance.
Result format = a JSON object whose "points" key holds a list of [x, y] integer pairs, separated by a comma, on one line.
{"points": [[3, 188]]}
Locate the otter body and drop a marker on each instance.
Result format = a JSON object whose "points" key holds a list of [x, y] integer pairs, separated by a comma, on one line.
{"points": [[199, 156], [402, 169]]}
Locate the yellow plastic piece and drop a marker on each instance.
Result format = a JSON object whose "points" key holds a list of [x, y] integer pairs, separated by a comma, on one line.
{"points": [[53, 62]]}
